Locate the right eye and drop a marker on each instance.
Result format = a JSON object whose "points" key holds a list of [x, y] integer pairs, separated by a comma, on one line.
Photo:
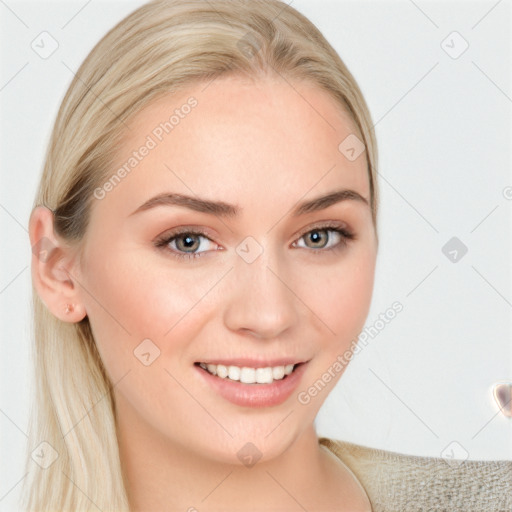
{"points": [[186, 242]]}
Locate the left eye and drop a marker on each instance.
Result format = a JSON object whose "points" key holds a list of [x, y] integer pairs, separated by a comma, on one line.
{"points": [[187, 243], [321, 241]]}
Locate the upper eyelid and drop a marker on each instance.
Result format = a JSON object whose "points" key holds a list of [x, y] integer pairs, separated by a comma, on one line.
{"points": [[317, 225], [327, 225]]}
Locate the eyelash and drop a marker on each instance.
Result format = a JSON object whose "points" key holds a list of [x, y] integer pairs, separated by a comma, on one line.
{"points": [[162, 242]]}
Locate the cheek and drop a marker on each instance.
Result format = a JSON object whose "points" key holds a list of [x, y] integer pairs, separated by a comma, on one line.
{"points": [[341, 299], [134, 297], [142, 319], [134, 294], [342, 294]]}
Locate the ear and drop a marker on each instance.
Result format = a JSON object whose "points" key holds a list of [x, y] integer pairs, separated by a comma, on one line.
{"points": [[53, 272]]}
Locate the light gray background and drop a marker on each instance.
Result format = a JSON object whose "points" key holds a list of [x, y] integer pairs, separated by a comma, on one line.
{"points": [[423, 384]]}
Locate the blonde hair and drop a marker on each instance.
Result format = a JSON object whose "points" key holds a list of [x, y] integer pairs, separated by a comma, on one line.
{"points": [[160, 48]]}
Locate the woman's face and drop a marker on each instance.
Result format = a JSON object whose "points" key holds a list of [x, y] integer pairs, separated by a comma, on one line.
{"points": [[265, 283]]}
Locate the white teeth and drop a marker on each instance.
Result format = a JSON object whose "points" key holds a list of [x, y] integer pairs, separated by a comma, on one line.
{"points": [[234, 373], [222, 371], [248, 375], [278, 372], [264, 375]]}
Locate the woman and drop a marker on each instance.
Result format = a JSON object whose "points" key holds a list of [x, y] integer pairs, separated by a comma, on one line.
{"points": [[205, 239]]}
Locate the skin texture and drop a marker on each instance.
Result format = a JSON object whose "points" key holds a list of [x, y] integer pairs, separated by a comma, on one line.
{"points": [[262, 146]]}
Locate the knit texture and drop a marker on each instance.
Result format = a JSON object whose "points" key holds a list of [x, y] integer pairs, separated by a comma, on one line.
{"points": [[395, 482]]}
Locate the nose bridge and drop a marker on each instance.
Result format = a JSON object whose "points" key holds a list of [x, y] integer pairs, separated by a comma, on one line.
{"points": [[260, 300]]}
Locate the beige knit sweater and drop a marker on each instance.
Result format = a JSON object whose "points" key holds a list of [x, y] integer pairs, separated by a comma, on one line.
{"points": [[395, 482]]}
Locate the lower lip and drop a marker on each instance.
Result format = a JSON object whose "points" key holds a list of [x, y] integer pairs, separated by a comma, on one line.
{"points": [[255, 395]]}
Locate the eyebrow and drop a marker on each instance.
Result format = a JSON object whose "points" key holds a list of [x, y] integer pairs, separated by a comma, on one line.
{"points": [[222, 209]]}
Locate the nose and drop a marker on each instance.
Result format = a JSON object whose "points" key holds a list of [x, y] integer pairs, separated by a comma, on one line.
{"points": [[261, 299]]}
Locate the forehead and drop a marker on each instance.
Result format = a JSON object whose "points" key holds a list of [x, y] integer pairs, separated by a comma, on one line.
{"points": [[269, 141]]}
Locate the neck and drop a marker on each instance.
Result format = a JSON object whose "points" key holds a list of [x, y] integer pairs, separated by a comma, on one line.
{"points": [[160, 474]]}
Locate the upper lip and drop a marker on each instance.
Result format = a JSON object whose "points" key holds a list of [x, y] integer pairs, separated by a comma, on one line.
{"points": [[254, 363]]}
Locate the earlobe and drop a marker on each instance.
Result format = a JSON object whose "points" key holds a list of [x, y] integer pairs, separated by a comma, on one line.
{"points": [[51, 264]]}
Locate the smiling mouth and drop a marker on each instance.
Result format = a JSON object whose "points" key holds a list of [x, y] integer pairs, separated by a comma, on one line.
{"points": [[248, 375]]}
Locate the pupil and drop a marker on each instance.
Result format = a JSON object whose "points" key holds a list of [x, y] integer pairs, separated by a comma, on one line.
{"points": [[315, 237], [188, 241]]}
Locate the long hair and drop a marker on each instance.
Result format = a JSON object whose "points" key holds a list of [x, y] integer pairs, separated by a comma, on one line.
{"points": [[158, 49]]}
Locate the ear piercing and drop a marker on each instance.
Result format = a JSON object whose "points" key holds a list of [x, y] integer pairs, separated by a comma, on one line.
{"points": [[69, 308]]}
